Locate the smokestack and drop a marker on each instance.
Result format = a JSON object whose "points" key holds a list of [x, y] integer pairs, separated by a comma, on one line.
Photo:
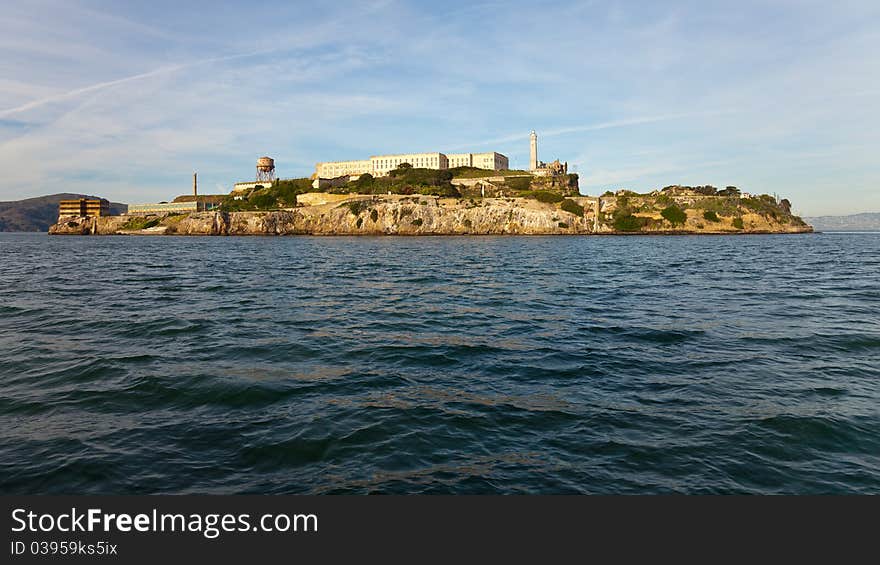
{"points": [[195, 185]]}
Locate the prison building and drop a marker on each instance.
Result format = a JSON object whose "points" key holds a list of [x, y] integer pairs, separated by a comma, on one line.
{"points": [[380, 165], [492, 160]]}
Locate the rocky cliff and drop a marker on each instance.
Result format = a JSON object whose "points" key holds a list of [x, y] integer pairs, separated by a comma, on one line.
{"points": [[415, 215]]}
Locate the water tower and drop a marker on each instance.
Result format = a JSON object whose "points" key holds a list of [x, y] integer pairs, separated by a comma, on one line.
{"points": [[265, 169]]}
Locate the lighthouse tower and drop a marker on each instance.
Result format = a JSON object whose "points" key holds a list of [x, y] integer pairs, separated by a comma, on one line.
{"points": [[533, 151]]}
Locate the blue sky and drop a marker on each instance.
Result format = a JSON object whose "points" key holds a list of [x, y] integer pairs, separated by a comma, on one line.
{"points": [[126, 100]]}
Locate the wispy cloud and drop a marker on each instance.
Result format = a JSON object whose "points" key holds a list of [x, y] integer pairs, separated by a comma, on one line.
{"points": [[116, 82], [621, 123]]}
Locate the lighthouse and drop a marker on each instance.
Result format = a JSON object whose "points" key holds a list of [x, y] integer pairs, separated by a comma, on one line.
{"points": [[533, 151]]}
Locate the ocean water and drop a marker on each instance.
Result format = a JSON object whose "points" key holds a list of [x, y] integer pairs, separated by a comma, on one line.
{"points": [[696, 364]]}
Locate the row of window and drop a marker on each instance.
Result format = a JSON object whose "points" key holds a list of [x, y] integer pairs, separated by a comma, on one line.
{"points": [[384, 164]]}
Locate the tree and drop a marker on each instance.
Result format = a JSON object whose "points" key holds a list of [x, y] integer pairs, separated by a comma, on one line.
{"points": [[364, 181], [572, 207], [785, 204], [674, 214], [628, 222]]}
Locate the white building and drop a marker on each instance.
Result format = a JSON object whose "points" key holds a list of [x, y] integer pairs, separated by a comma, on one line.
{"points": [[380, 165]]}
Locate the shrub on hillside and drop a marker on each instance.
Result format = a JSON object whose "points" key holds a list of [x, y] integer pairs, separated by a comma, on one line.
{"points": [[572, 207], [738, 223], [287, 189], [547, 196], [628, 222], [674, 214], [711, 216], [356, 206], [141, 223], [518, 183], [264, 201]]}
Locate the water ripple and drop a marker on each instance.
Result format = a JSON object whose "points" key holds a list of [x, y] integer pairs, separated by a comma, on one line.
{"points": [[438, 365]]}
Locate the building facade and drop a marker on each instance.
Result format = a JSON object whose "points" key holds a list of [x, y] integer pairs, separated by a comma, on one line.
{"points": [[185, 205], [380, 165], [247, 186], [83, 207]]}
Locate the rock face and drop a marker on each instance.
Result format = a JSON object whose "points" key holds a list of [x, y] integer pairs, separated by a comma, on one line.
{"points": [[388, 215]]}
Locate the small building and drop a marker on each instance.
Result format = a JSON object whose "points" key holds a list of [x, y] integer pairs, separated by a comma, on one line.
{"points": [[84, 207], [181, 205], [248, 186]]}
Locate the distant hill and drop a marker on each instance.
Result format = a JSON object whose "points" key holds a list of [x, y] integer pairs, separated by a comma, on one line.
{"points": [[37, 214], [855, 222]]}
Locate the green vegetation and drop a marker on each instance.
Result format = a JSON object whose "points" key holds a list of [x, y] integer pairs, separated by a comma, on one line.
{"points": [[674, 214], [764, 205], [475, 173], [356, 206], [374, 215], [518, 183], [141, 223], [282, 194], [264, 201], [563, 225], [707, 190], [573, 207], [467, 223], [405, 179], [629, 223], [544, 196], [664, 200], [359, 223], [286, 190], [417, 222], [738, 223], [711, 216], [724, 206]]}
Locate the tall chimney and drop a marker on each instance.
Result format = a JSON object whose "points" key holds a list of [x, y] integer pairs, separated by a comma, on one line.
{"points": [[195, 185]]}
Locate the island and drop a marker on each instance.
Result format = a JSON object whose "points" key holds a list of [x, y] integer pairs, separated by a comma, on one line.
{"points": [[460, 201]]}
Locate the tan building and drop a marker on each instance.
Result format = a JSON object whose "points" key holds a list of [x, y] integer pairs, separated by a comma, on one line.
{"points": [[82, 207], [380, 165], [383, 164], [340, 168], [493, 161], [250, 185], [162, 208]]}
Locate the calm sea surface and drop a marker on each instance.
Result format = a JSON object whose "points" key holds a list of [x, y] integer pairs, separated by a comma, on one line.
{"points": [[440, 365]]}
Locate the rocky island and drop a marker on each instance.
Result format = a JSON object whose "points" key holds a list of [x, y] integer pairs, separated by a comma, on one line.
{"points": [[421, 201]]}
